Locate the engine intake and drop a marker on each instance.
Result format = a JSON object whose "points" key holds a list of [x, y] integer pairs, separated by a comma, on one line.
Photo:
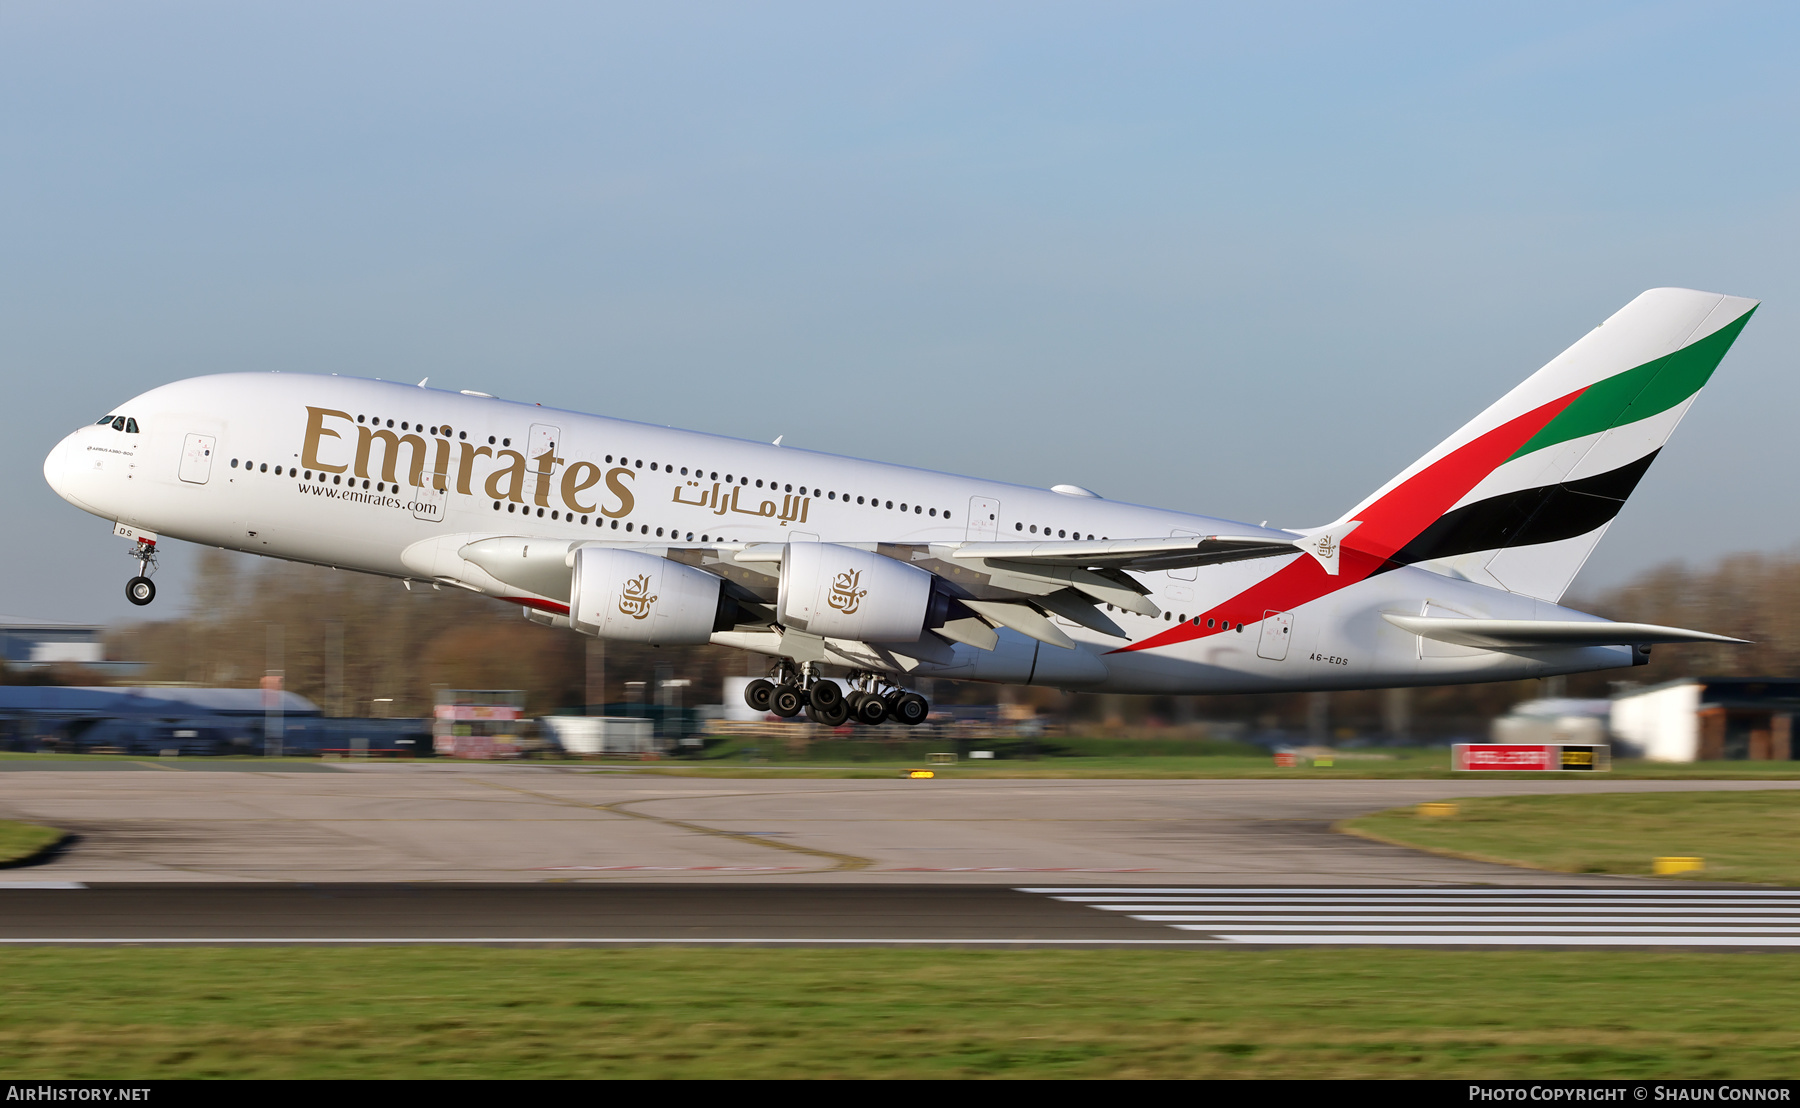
{"points": [[841, 592], [636, 597]]}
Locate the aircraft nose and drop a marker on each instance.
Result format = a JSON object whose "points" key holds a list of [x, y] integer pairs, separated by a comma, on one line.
{"points": [[56, 465], [59, 470]]}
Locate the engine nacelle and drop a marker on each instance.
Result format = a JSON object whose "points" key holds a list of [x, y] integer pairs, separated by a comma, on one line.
{"points": [[841, 592], [638, 597]]}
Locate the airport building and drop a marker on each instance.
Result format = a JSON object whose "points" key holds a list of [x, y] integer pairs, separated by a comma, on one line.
{"points": [[1709, 719], [27, 643], [152, 720]]}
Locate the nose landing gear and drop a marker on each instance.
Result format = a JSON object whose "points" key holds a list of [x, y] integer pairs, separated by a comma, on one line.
{"points": [[140, 590], [873, 699]]}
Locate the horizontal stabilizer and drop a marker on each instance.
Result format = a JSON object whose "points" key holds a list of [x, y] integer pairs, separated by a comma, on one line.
{"points": [[1536, 634]]}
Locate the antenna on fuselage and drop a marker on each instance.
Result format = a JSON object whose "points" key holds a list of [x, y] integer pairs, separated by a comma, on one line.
{"points": [[422, 382]]}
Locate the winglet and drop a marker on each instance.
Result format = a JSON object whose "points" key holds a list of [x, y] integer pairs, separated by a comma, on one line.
{"points": [[1326, 544]]}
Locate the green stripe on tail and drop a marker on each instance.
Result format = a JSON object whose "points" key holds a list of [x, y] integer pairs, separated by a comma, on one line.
{"points": [[1639, 393]]}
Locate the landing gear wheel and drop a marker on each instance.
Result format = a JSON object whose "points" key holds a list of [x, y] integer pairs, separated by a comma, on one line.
{"points": [[140, 591], [786, 702], [911, 709], [834, 714], [758, 694], [827, 695], [869, 710]]}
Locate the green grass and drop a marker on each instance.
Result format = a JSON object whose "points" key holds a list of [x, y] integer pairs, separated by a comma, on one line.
{"points": [[21, 840], [1744, 836], [486, 1013]]}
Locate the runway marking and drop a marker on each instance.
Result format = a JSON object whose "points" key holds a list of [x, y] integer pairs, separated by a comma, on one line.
{"points": [[41, 885], [1487, 916]]}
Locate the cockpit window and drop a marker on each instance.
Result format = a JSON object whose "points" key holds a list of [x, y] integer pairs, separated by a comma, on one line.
{"points": [[118, 423], [131, 427], [103, 421]]}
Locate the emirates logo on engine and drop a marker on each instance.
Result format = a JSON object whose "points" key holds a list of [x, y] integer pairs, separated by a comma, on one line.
{"points": [[845, 596], [636, 600]]}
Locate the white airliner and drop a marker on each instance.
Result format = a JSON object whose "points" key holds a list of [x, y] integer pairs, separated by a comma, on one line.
{"points": [[831, 566]]}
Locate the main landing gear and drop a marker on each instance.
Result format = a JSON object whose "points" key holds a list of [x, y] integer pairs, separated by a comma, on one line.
{"points": [[872, 698], [140, 590]]}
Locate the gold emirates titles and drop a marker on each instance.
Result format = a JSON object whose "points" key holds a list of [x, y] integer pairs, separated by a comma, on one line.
{"points": [[509, 480]]}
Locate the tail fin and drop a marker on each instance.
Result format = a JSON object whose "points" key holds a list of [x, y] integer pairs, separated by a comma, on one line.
{"points": [[1518, 498]]}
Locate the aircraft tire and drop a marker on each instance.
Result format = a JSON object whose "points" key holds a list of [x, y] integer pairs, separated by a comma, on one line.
{"points": [[140, 590], [827, 695], [869, 710], [758, 694], [911, 709], [786, 702], [834, 714]]}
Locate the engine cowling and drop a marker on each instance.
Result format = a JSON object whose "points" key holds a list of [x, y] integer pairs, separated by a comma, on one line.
{"points": [[841, 592], [637, 597]]}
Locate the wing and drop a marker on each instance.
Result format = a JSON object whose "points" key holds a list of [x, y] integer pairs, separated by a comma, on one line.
{"points": [[1138, 555]]}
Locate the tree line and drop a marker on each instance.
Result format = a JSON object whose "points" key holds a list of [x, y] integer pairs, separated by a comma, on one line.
{"points": [[361, 645]]}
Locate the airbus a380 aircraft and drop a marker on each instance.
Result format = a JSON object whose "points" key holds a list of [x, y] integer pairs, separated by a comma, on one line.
{"points": [[831, 566]]}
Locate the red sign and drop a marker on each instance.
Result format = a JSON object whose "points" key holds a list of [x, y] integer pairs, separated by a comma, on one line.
{"points": [[1500, 756], [477, 711]]}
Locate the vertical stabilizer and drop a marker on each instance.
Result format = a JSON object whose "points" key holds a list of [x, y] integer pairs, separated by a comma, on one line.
{"points": [[1520, 495]]}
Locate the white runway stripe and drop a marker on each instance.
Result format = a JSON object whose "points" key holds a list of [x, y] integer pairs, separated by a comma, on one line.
{"points": [[1635, 904], [1403, 916], [1663, 921], [1411, 890]]}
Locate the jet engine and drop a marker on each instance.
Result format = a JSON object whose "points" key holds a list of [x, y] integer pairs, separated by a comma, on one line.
{"points": [[637, 597], [841, 592]]}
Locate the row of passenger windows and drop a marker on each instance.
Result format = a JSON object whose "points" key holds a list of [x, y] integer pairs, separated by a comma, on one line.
{"points": [[601, 521], [1171, 617], [119, 423], [409, 425], [294, 471], [1062, 534], [713, 475], [777, 486]]}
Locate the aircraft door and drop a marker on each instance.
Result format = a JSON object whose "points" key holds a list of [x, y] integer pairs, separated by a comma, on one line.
{"points": [[544, 439], [428, 500], [1186, 573], [196, 459], [1277, 632], [984, 519]]}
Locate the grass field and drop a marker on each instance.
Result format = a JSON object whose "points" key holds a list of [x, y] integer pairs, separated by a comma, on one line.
{"points": [[485, 1013], [22, 840], [1743, 836]]}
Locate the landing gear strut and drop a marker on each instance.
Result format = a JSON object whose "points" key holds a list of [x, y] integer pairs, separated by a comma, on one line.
{"points": [[873, 699], [140, 590]]}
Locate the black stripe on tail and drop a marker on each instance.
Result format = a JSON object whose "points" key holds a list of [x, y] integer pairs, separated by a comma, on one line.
{"points": [[1547, 513]]}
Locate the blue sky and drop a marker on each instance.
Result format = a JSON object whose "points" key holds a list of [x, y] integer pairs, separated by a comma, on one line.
{"points": [[1248, 260]]}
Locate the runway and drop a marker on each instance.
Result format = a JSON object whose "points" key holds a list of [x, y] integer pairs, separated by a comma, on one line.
{"points": [[189, 821], [895, 915]]}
